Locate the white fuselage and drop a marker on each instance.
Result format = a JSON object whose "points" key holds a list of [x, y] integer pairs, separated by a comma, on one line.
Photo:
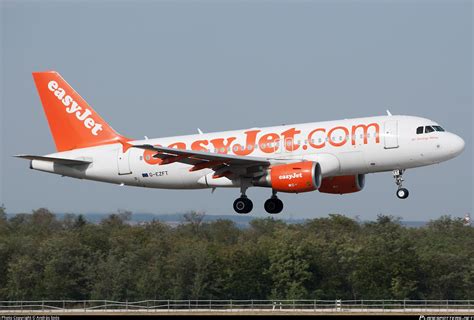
{"points": [[342, 147]]}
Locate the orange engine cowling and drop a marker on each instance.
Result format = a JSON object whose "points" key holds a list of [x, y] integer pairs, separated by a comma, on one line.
{"points": [[343, 184], [293, 177]]}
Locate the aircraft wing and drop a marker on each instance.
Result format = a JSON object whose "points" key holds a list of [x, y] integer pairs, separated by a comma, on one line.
{"points": [[201, 157], [64, 161]]}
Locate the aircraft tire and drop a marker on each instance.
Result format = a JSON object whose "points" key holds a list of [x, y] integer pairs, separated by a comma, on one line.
{"points": [[402, 193], [243, 205], [273, 205]]}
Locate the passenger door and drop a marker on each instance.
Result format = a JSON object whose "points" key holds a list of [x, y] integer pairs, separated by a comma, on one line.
{"points": [[123, 162], [391, 134]]}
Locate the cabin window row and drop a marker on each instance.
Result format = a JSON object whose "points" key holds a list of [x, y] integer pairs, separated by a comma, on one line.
{"points": [[290, 142]]}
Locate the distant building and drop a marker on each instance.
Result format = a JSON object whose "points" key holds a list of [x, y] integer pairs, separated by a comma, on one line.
{"points": [[467, 220]]}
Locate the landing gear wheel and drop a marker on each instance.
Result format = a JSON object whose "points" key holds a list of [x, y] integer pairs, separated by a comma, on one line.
{"points": [[402, 193], [273, 205], [243, 205]]}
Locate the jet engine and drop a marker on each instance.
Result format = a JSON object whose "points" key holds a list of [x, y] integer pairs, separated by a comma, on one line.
{"points": [[292, 177], [343, 184]]}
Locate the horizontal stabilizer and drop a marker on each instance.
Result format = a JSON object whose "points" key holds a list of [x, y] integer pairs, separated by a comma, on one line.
{"points": [[63, 161]]}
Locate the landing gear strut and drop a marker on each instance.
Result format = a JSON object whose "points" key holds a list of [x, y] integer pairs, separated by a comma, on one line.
{"points": [[273, 205], [243, 205], [402, 193]]}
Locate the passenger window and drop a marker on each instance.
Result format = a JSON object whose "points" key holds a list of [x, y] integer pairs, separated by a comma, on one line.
{"points": [[429, 129], [419, 130]]}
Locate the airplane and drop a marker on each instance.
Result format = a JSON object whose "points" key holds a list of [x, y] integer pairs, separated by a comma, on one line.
{"points": [[331, 156]]}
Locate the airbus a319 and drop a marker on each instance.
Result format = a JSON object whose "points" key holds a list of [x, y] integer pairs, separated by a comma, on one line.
{"points": [[331, 156]]}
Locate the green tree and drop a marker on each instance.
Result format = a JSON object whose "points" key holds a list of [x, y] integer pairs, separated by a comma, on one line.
{"points": [[387, 266], [24, 279], [334, 244], [222, 232], [244, 272], [3, 214], [66, 264], [192, 265], [42, 257], [446, 250], [289, 266]]}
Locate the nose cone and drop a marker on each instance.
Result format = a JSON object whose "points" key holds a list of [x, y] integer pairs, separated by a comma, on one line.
{"points": [[456, 145]]}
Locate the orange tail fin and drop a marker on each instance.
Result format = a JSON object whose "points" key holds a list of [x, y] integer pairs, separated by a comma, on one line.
{"points": [[73, 123]]}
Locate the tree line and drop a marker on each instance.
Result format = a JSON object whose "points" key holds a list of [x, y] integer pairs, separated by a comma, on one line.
{"points": [[336, 257]]}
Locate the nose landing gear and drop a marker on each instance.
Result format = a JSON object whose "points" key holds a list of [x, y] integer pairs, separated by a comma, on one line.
{"points": [[273, 205], [402, 193]]}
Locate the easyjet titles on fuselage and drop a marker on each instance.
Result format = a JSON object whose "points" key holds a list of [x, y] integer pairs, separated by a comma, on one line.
{"points": [[271, 142]]}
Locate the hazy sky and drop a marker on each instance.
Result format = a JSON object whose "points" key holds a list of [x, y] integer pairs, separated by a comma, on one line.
{"points": [[166, 68]]}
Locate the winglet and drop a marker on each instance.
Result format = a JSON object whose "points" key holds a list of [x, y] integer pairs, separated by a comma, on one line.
{"points": [[389, 113]]}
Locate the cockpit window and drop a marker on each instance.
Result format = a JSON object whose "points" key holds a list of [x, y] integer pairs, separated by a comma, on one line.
{"points": [[429, 129]]}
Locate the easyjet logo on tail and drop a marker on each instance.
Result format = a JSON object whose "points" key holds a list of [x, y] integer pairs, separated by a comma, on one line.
{"points": [[74, 109]]}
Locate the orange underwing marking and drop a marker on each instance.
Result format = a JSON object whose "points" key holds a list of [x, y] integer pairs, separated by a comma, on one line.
{"points": [[205, 165], [226, 174], [173, 159]]}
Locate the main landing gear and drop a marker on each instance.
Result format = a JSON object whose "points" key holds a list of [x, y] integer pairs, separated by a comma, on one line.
{"points": [[402, 193], [244, 205], [273, 205]]}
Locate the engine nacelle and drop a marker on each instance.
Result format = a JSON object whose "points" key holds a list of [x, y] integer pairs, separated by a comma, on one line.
{"points": [[343, 184], [293, 177]]}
